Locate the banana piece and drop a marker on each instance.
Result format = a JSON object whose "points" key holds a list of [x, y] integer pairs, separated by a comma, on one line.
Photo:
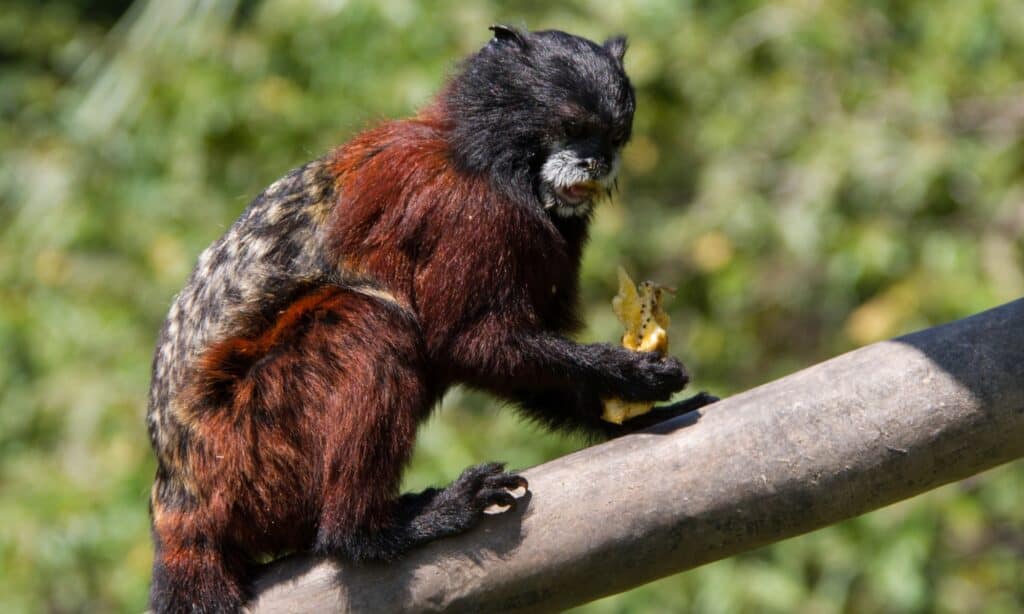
{"points": [[639, 309]]}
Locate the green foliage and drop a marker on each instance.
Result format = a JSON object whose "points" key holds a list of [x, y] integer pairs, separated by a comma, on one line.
{"points": [[812, 176]]}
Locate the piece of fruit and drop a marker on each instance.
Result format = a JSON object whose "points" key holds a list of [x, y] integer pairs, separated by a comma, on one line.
{"points": [[639, 309]]}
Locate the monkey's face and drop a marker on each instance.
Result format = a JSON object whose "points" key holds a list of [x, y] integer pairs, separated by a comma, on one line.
{"points": [[546, 113], [581, 163]]}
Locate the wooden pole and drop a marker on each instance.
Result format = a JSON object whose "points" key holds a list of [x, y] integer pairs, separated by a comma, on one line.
{"points": [[841, 438]]}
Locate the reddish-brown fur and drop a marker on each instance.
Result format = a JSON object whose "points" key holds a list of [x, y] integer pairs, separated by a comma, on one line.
{"points": [[291, 436], [421, 234]]}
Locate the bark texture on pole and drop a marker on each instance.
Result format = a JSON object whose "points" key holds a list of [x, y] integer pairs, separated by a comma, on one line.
{"points": [[865, 429]]}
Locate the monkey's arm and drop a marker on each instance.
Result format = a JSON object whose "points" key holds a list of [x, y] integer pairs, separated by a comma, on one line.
{"points": [[502, 357]]}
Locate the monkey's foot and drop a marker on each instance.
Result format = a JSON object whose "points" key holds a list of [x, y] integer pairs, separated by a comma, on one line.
{"points": [[431, 514], [480, 490], [485, 489]]}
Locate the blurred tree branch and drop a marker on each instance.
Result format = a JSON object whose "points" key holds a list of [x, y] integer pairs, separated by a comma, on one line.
{"points": [[865, 429]]}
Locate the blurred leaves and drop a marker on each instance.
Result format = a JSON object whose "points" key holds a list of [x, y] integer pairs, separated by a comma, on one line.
{"points": [[812, 176]]}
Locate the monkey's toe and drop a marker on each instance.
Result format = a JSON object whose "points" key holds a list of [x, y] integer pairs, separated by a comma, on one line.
{"points": [[495, 500], [515, 484]]}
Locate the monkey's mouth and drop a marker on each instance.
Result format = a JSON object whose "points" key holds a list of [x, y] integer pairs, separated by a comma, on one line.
{"points": [[577, 193]]}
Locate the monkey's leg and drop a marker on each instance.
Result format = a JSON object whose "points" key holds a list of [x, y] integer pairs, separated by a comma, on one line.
{"points": [[369, 427], [245, 473]]}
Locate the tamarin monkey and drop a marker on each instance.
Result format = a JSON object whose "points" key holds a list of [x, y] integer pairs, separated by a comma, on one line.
{"points": [[314, 336]]}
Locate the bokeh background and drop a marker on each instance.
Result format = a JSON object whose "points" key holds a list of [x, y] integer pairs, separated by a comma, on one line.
{"points": [[811, 175]]}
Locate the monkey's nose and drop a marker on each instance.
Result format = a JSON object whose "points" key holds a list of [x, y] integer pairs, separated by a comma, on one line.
{"points": [[594, 166]]}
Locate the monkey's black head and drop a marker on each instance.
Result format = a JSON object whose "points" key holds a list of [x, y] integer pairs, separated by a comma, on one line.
{"points": [[545, 114]]}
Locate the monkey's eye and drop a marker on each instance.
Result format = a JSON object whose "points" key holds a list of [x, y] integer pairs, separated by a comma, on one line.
{"points": [[575, 129]]}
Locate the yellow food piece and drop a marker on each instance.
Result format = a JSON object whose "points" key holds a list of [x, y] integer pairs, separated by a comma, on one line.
{"points": [[639, 309]]}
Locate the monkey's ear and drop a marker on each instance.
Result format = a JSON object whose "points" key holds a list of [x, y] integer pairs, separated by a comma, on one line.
{"points": [[616, 46], [508, 34]]}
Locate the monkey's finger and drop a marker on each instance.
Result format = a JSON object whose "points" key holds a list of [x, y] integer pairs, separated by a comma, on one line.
{"points": [[516, 484], [474, 477]]}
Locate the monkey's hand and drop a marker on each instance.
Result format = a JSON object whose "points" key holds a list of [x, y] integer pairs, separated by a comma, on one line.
{"points": [[638, 376]]}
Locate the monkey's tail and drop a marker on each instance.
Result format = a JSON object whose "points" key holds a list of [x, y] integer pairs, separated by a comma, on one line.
{"points": [[193, 575]]}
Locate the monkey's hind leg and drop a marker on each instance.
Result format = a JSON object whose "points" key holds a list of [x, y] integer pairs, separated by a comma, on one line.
{"points": [[369, 427]]}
